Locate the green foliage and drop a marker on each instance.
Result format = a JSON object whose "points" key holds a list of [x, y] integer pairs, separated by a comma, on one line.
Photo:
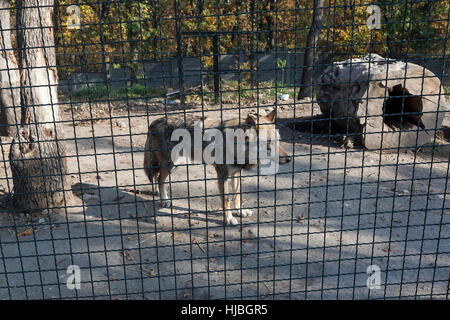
{"points": [[447, 90], [132, 31], [94, 93], [233, 91], [139, 90], [102, 92], [416, 28], [281, 63]]}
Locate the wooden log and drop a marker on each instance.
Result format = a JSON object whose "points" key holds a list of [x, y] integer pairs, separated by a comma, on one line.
{"points": [[383, 103], [310, 50]]}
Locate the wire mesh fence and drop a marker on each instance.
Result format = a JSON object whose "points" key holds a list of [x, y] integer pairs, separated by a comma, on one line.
{"points": [[226, 149]]}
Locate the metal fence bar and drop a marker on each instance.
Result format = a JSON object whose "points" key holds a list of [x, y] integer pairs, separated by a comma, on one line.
{"points": [[359, 212]]}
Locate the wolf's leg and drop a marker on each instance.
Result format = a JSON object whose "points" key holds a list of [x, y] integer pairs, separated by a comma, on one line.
{"points": [[236, 190], [164, 198], [150, 168], [222, 182], [148, 161]]}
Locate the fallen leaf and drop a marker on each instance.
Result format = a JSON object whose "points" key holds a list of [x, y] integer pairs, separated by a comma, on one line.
{"points": [[127, 255], [27, 232]]}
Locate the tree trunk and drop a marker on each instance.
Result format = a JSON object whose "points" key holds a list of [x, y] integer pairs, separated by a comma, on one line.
{"points": [[132, 36], [106, 59], [389, 40], [9, 77], [311, 43], [270, 25], [252, 42], [37, 155], [156, 16]]}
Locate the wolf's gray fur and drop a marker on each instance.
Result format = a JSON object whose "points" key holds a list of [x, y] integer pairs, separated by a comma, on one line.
{"points": [[158, 162]]}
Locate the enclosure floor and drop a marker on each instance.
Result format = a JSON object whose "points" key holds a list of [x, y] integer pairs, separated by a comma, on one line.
{"points": [[336, 213]]}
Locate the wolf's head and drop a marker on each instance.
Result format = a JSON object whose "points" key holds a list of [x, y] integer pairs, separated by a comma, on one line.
{"points": [[265, 127]]}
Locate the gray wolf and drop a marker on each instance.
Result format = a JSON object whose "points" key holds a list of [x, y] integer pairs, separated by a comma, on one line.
{"points": [[158, 162]]}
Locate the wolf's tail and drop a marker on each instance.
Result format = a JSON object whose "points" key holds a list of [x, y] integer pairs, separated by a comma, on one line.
{"points": [[151, 169], [151, 173]]}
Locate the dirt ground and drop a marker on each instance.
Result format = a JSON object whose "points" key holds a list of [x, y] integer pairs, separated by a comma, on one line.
{"points": [[319, 223]]}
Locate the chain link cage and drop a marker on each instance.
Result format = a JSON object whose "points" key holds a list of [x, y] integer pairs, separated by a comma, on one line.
{"points": [[94, 205]]}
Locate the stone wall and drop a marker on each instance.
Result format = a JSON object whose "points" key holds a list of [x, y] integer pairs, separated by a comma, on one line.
{"points": [[231, 67]]}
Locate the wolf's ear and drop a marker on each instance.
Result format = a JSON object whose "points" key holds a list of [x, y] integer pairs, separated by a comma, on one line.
{"points": [[272, 115], [252, 118]]}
